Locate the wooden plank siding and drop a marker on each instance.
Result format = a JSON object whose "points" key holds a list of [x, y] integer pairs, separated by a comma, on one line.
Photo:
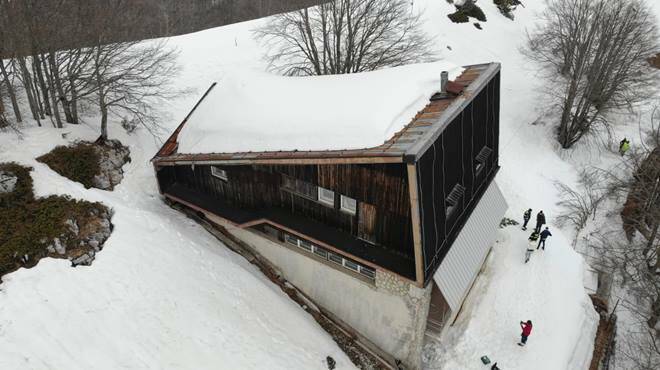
{"points": [[380, 188]]}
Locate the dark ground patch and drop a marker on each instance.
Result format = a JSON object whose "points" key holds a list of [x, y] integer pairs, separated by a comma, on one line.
{"points": [[655, 61], [55, 226], [466, 11]]}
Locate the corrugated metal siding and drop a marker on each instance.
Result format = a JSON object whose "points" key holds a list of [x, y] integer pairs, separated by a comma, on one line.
{"points": [[463, 261]]}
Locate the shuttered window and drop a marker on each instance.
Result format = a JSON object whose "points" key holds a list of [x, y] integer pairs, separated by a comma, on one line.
{"points": [[348, 205], [299, 187], [454, 198], [219, 173], [327, 196], [481, 159]]}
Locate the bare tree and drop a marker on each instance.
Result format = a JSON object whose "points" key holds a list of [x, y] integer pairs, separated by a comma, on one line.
{"points": [[3, 119], [595, 53], [635, 258], [130, 79], [345, 36], [581, 204]]}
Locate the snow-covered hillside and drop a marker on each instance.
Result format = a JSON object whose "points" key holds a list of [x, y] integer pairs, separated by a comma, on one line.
{"points": [[163, 294]]}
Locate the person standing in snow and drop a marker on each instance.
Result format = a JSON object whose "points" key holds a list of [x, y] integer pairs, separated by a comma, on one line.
{"points": [[540, 221], [624, 145], [526, 216], [544, 235], [526, 331]]}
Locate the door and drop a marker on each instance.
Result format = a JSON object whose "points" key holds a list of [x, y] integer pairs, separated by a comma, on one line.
{"points": [[367, 222]]}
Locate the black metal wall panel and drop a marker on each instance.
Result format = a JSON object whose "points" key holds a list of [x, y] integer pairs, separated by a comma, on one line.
{"points": [[451, 160]]}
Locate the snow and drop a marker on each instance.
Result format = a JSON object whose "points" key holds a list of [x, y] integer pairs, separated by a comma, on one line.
{"points": [[164, 294], [257, 111], [546, 290]]}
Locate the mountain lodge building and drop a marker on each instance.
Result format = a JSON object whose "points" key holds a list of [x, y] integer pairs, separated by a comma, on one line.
{"points": [[389, 238]]}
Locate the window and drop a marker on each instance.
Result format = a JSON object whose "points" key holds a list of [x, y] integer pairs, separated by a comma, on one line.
{"points": [[366, 271], [326, 196], [348, 205], [321, 252], [291, 239], [351, 265], [481, 159], [305, 245], [335, 258], [271, 231], [454, 198], [219, 173], [299, 187]]}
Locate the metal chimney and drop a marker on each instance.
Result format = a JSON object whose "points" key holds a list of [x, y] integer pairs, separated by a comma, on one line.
{"points": [[444, 78]]}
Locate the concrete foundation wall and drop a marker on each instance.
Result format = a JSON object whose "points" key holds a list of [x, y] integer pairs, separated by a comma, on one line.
{"points": [[391, 313]]}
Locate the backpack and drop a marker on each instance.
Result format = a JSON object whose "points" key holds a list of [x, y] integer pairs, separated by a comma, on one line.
{"points": [[534, 236]]}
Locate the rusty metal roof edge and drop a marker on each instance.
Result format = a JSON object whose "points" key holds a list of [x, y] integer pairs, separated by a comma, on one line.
{"points": [[423, 143], [180, 126]]}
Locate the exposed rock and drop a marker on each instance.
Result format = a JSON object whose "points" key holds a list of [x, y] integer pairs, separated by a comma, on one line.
{"points": [[57, 247], [7, 182], [73, 226], [113, 156], [84, 259]]}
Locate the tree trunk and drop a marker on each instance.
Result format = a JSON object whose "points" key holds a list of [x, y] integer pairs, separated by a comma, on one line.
{"points": [[37, 92], [74, 101], [27, 82], [11, 92], [53, 95], [55, 72], [655, 313], [104, 122], [36, 61], [3, 119]]}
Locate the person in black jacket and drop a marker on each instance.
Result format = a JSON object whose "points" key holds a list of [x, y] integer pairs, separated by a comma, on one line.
{"points": [[526, 216], [540, 221], [544, 235]]}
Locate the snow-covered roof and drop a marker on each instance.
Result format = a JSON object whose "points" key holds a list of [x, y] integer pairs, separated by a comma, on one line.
{"points": [[256, 112]]}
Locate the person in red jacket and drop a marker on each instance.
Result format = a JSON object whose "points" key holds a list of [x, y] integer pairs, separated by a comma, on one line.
{"points": [[526, 331]]}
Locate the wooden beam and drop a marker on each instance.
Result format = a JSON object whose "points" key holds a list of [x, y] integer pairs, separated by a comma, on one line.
{"points": [[416, 225]]}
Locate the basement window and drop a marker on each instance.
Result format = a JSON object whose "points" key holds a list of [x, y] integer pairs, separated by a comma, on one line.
{"points": [[366, 271], [219, 173], [348, 205], [333, 257], [291, 239], [481, 160], [305, 245], [351, 265], [327, 196], [454, 199], [321, 252]]}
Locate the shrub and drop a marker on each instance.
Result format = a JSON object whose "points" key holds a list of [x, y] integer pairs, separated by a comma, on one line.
{"points": [[29, 225], [79, 162], [465, 11], [22, 192]]}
